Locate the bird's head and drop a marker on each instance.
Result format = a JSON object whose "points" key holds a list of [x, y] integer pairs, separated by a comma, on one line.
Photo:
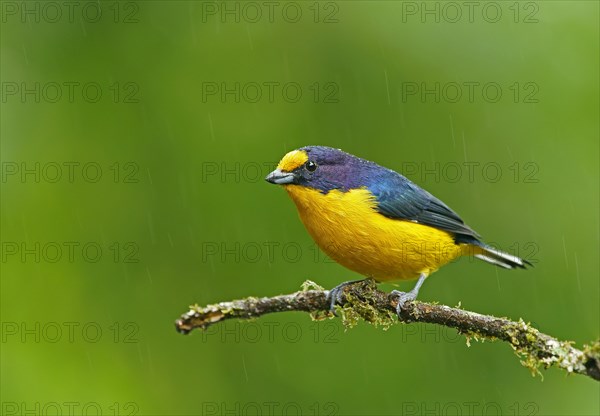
{"points": [[322, 168]]}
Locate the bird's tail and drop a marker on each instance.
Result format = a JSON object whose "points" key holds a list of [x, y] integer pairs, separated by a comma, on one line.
{"points": [[499, 258]]}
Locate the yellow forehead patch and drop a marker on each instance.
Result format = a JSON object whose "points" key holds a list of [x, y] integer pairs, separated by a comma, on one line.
{"points": [[292, 160]]}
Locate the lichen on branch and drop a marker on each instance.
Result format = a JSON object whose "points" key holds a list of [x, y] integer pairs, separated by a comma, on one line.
{"points": [[364, 301]]}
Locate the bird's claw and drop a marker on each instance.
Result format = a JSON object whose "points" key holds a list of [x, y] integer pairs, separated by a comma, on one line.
{"points": [[403, 297], [335, 295]]}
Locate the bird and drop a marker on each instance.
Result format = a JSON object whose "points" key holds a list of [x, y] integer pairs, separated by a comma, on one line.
{"points": [[376, 222]]}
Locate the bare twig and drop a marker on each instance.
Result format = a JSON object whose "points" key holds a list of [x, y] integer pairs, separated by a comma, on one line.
{"points": [[365, 301]]}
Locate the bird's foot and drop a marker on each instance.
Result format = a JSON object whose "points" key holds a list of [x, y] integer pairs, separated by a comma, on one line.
{"points": [[335, 294], [403, 297]]}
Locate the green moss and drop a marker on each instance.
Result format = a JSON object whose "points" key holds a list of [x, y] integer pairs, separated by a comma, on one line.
{"points": [[349, 316], [593, 349], [470, 335], [530, 362], [310, 285], [321, 315], [527, 351], [356, 308], [530, 337]]}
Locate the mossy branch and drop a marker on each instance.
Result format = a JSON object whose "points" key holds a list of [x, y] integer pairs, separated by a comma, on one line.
{"points": [[365, 301]]}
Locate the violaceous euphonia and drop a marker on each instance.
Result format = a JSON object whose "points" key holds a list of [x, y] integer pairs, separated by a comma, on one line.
{"points": [[376, 222]]}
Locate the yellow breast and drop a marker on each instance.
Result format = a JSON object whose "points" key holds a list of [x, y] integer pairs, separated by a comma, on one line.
{"points": [[348, 228]]}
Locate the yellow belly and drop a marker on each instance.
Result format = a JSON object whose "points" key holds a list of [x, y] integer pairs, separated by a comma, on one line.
{"points": [[348, 228]]}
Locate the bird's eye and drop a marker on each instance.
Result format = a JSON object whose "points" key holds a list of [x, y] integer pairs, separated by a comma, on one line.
{"points": [[311, 166]]}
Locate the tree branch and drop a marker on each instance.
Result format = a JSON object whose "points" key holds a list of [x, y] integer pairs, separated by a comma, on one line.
{"points": [[364, 300]]}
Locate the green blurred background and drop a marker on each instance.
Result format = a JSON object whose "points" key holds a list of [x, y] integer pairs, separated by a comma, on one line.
{"points": [[182, 215]]}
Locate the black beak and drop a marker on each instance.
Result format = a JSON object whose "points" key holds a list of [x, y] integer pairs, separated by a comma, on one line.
{"points": [[280, 178]]}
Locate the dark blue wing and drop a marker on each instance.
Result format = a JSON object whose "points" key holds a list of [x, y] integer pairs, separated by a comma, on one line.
{"points": [[397, 197]]}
